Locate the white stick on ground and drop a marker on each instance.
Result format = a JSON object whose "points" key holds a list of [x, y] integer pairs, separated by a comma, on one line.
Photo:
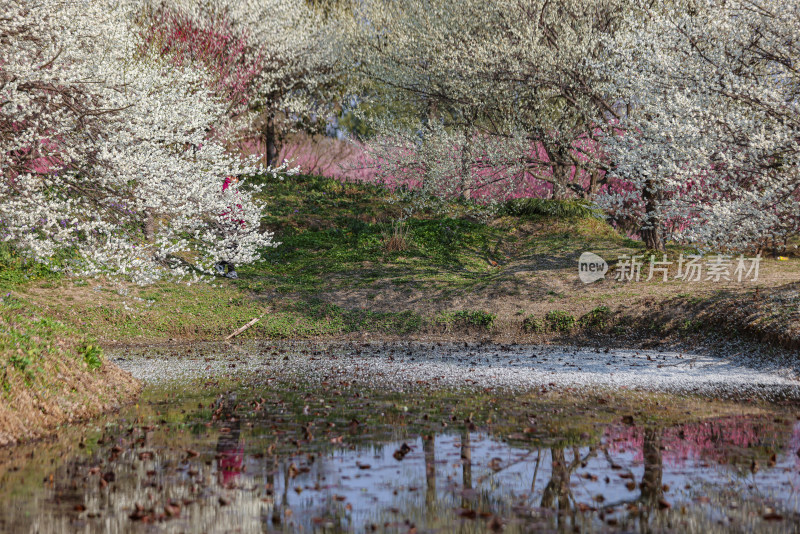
{"points": [[245, 327]]}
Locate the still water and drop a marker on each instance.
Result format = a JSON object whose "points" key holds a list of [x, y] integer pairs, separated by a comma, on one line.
{"points": [[249, 455]]}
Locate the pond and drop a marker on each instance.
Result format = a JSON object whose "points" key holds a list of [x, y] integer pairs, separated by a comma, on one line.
{"points": [[261, 447]]}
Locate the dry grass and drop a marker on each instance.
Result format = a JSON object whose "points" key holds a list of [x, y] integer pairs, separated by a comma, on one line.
{"points": [[396, 239], [532, 276]]}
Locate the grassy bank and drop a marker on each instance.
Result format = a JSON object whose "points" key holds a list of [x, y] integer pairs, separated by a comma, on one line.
{"points": [[346, 267], [50, 374]]}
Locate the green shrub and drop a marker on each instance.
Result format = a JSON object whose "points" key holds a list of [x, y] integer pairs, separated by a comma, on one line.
{"points": [[21, 362], [92, 355], [474, 318], [597, 318], [559, 320], [691, 326], [546, 207], [533, 325]]}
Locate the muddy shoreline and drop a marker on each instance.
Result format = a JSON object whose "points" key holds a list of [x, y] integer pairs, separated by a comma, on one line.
{"points": [[620, 333]]}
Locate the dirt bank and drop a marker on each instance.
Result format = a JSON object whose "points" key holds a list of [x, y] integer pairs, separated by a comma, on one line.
{"points": [[50, 376]]}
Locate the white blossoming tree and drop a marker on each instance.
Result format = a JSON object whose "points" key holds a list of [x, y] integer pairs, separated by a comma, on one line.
{"points": [[503, 89], [272, 60], [712, 124], [106, 153]]}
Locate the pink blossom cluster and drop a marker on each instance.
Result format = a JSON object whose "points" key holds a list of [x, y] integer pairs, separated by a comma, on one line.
{"points": [[231, 61], [717, 440], [348, 160]]}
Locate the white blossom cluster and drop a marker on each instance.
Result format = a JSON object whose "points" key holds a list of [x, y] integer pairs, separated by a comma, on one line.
{"points": [[290, 45], [711, 92], [107, 152]]}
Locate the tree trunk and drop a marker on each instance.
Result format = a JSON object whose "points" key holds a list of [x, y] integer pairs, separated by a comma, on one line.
{"points": [[559, 182], [651, 233], [556, 493], [466, 460], [149, 226], [651, 486], [466, 167], [652, 239], [270, 141], [593, 183], [428, 449]]}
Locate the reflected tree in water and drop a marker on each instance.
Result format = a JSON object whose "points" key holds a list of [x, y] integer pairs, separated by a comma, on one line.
{"points": [[428, 447], [557, 493], [651, 486]]}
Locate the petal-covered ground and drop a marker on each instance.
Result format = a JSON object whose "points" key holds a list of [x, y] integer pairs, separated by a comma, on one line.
{"points": [[404, 366]]}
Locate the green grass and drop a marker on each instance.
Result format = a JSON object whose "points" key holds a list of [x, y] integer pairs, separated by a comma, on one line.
{"points": [[533, 325], [598, 318], [51, 372], [468, 319], [15, 270], [333, 270], [332, 238], [332, 235], [28, 339], [92, 355]]}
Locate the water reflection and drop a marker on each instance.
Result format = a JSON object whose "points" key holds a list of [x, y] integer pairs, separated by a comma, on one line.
{"points": [[230, 446], [223, 473]]}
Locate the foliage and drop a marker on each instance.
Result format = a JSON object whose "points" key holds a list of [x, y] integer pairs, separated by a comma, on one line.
{"points": [[597, 318], [92, 355], [504, 93], [533, 325], [272, 61], [16, 269], [118, 120], [27, 338], [469, 318], [331, 276], [708, 98], [558, 209], [347, 320], [560, 320], [678, 117], [21, 361], [690, 326]]}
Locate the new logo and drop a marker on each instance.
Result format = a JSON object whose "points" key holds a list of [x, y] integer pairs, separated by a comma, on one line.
{"points": [[591, 267]]}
